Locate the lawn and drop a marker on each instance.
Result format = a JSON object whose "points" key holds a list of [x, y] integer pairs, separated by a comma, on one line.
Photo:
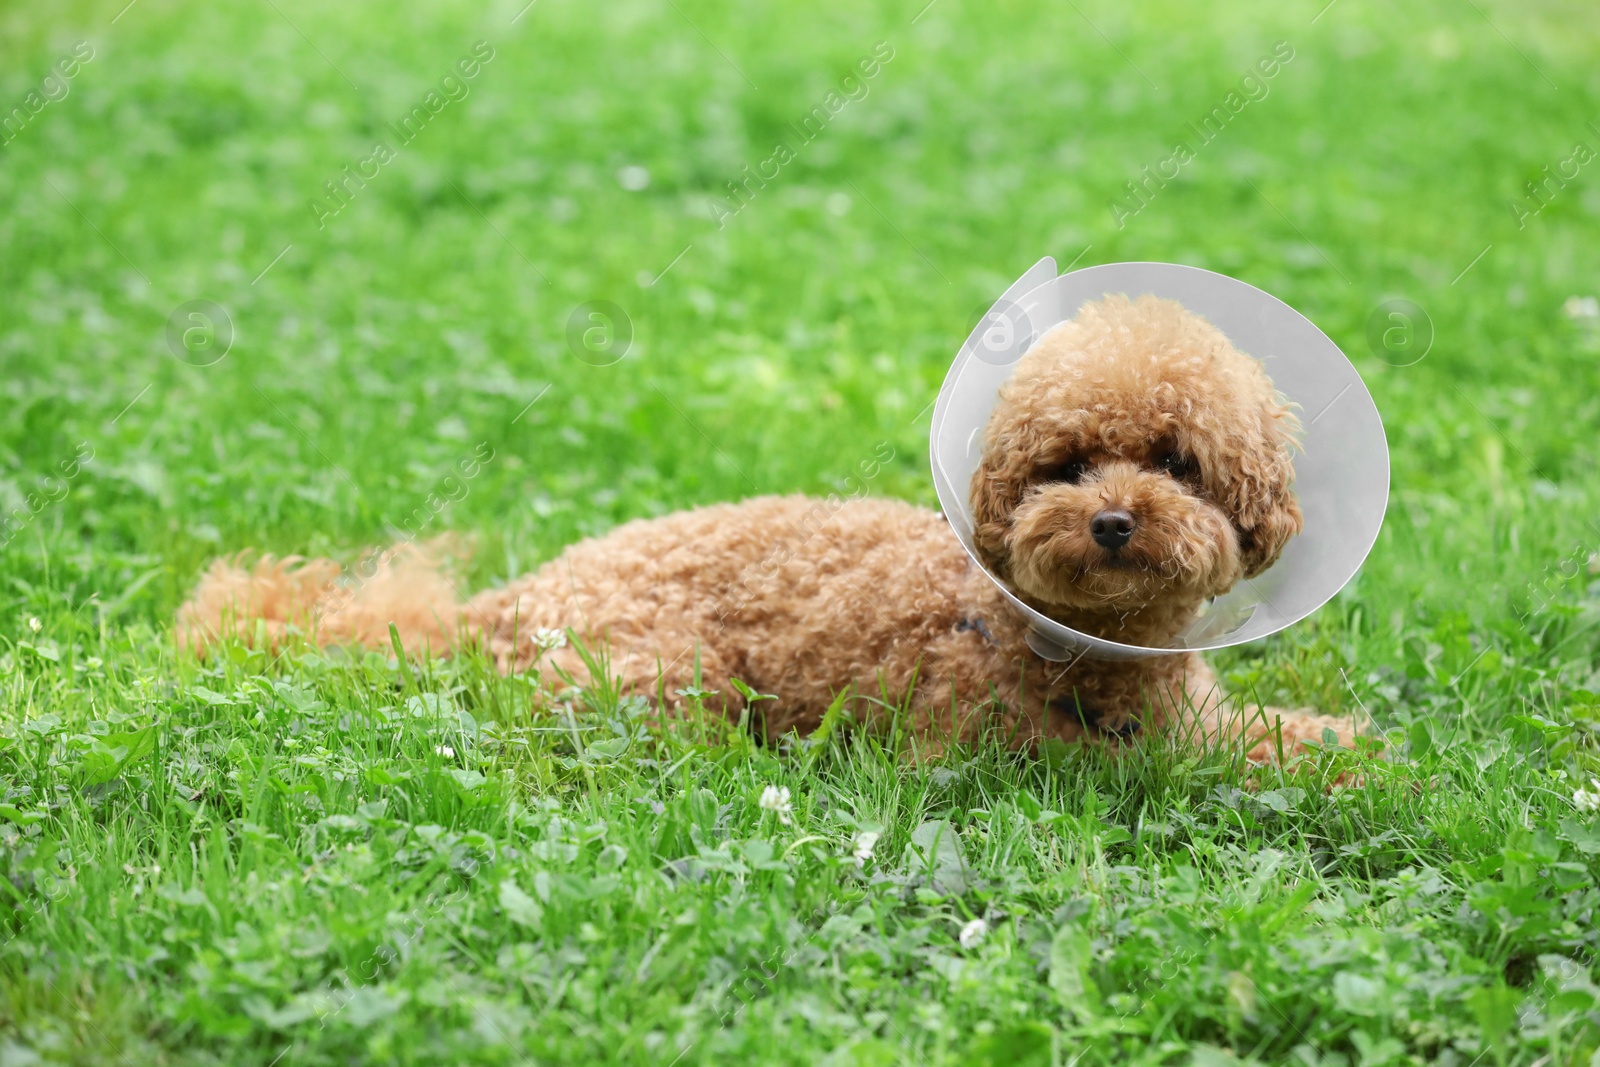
{"points": [[402, 221]]}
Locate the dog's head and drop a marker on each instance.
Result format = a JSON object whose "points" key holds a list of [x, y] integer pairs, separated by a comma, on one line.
{"points": [[1135, 457]]}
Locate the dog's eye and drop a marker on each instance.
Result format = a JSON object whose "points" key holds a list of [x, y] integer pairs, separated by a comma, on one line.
{"points": [[1177, 464], [1071, 472]]}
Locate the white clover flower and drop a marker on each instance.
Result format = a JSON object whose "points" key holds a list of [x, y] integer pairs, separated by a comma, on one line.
{"points": [[974, 932], [776, 798], [1588, 799], [866, 841], [446, 751], [546, 639], [34, 624]]}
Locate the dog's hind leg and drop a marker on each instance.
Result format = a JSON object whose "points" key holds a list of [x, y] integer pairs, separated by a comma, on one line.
{"points": [[673, 673], [1292, 729], [677, 670], [645, 647]]}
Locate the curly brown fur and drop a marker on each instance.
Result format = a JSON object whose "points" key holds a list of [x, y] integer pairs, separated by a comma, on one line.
{"points": [[1138, 406]]}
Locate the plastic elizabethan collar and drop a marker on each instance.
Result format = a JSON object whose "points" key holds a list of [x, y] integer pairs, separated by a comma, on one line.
{"points": [[1341, 473]]}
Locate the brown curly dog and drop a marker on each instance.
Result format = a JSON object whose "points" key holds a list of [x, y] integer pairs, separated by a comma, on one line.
{"points": [[1135, 465]]}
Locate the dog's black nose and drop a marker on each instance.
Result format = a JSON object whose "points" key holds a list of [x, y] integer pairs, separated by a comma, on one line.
{"points": [[1111, 528]]}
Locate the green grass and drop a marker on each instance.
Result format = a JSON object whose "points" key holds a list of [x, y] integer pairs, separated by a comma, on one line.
{"points": [[324, 858]]}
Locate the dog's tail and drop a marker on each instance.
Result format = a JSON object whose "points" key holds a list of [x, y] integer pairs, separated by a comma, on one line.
{"points": [[264, 600]]}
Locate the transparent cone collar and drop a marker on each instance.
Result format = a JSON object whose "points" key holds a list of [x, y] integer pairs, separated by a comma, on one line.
{"points": [[1341, 474]]}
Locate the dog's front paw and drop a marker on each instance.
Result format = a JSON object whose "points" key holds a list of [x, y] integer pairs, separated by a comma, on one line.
{"points": [[1293, 730], [1291, 733]]}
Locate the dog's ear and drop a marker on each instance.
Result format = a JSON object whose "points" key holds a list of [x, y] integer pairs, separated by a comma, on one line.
{"points": [[1260, 546], [998, 486], [1261, 492]]}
